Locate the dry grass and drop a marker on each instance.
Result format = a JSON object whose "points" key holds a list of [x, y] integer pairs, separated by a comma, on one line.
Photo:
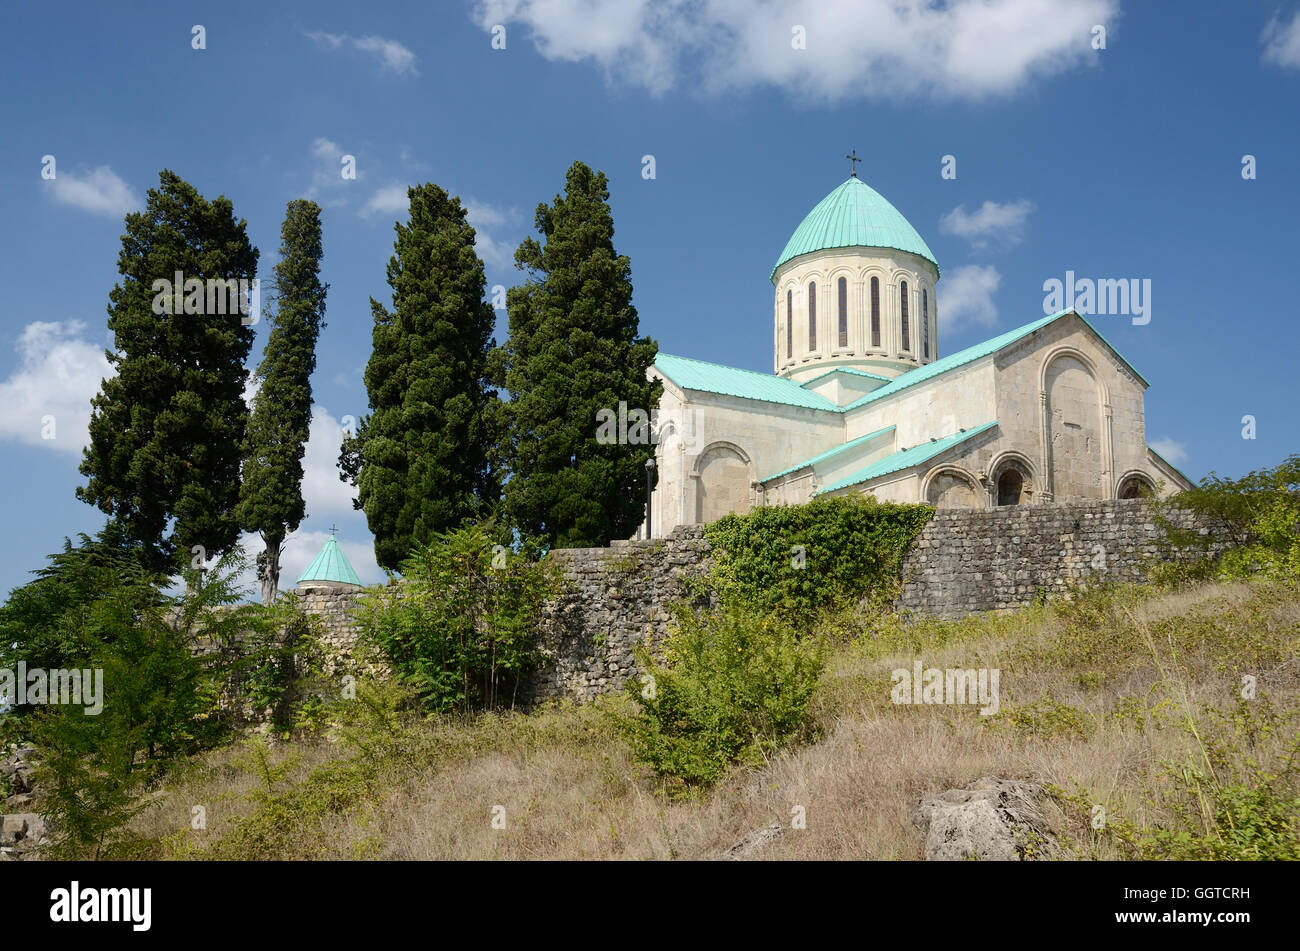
{"points": [[1099, 697]]}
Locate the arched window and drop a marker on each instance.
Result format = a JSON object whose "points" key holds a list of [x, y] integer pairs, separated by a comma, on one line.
{"points": [[907, 337], [875, 312], [812, 315], [1011, 485], [789, 325], [925, 323], [1135, 487], [844, 312]]}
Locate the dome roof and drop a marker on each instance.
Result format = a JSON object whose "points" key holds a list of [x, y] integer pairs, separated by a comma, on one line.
{"points": [[330, 565], [854, 215]]}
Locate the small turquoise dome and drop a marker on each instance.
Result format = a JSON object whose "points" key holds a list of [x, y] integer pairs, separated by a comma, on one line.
{"points": [[330, 565], [854, 215]]}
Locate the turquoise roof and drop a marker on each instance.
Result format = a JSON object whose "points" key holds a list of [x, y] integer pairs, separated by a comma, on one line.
{"points": [[849, 370], [330, 565], [906, 458], [715, 378], [854, 215], [730, 381], [971, 354], [829, 453]]}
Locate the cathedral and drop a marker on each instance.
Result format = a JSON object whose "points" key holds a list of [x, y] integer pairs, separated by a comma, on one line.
{"points": [[861, 401]]}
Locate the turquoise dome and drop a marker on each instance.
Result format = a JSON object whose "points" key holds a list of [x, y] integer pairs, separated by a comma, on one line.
{"points": [[854, 215]]}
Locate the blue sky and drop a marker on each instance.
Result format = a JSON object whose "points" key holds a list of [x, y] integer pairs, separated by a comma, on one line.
{"points": [[1122, 162]]}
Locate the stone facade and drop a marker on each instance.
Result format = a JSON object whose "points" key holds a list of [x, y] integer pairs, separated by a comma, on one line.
{"points": [[1000, 559], [861, 402]]}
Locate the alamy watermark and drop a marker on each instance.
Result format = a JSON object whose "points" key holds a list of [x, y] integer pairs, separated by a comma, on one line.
{"points": [[637, 427], [192, 296], [951, 686], [1121, 297], [36, 685]]}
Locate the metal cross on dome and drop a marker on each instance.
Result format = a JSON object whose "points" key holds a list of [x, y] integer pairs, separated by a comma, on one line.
{"points": [[333, 529], [853, 163]]}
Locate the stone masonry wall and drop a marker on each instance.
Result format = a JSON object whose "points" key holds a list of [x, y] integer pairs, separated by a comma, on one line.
{"points": [[968, 560], [965, 560], [615, 597]]}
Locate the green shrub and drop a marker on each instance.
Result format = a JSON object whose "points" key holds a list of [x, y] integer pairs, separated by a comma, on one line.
{"points": [[799, 561], [1237, 797], [733, 688], [459, 630], [1261, 510]]}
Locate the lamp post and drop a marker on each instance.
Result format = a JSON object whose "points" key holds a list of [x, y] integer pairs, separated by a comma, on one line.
{"points": [[649, 478]]}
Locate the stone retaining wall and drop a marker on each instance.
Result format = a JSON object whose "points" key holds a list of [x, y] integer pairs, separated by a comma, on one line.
{"points": [[965, 560], [968, 560]]}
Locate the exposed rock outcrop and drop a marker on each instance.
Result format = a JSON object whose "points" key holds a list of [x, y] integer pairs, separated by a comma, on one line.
{"points": [[996, 820]]}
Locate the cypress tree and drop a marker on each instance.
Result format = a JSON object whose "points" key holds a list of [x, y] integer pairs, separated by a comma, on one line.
{"points": [[271, 500], [573, 351], [420, 459], [166, 431]]}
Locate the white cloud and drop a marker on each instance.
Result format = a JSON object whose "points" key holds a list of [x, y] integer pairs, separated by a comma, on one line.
{"points": [[992, 224], [967, 296], [392, 55], [58, 372], [1175, 452], [961, 49], [393, 200], [1282, 42], [389, 200], [325, 149], [101, 192], [326, 175], [484, 217], [322, 489]]}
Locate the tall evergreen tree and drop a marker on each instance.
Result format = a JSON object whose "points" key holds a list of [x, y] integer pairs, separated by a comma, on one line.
{"points": [[420, 459], [166, 431], [270, 501], [574, 350]]}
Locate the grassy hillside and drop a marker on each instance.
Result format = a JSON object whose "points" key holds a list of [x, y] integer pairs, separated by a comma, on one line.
{"points": [[1129, 699]]}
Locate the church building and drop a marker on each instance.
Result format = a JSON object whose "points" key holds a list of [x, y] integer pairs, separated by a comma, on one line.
{"points": [[861, 400]]}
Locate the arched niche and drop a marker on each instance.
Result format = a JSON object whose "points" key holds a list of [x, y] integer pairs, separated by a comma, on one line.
{"points": [[1011, 476], [723, 473], [1135, 485], [948, 487], [1075, 431]]}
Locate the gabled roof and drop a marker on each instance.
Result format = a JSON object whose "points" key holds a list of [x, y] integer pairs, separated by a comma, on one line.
{"points": [[730, 381], [830, 453], [330, 565], [715, 378], [906, 458], [962, 357], [852, 371], [854, 215]]}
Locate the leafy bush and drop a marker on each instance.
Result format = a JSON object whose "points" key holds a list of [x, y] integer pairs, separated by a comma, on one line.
{"points": [[1237, 797], [734, 688], [1262, 509], [174, 672], [459, 629], [799, 561]]}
